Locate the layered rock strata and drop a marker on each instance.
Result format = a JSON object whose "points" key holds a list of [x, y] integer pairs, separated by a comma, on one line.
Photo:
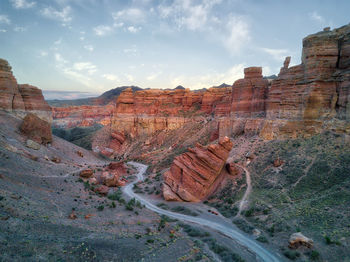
{"points": [[192, 174], [21, 99]]}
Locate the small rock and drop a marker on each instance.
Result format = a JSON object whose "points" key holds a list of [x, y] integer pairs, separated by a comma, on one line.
{"points": [[103, 190], [56, 160], [72, 215], [87, 173], [93, 181], [33, 145], [79, 153], [277, 162], [298, 239], [256, 232]]}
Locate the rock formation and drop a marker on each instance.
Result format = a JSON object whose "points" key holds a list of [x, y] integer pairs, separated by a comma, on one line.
{"points": [[36, 129], [298, 239], [192, 174], [21, 99], [83, 116]]}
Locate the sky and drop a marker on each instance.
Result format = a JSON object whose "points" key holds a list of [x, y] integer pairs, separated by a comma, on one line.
{"points": [[80, 48]]}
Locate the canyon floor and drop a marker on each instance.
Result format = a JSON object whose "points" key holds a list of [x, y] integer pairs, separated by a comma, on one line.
{"points": [[38, 198], [309, 192]]}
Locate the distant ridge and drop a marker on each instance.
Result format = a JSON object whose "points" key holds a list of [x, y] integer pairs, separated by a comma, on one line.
{"points": [[104, 99]]}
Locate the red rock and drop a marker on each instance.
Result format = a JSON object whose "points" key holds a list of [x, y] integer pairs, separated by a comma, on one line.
{"points": [[277, 162], [193, 173], [36, 129], [118, 167], [233, 169], [249, 94], [86, 173], [34, 102], [102, 189], [79, 153], [56, 159], [82, 115], [110, 179], [10, 97], [72, 215]]}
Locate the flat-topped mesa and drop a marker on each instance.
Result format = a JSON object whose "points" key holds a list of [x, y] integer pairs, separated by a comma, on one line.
{"points": [[193, 174], [252, 72], [249, 94]]}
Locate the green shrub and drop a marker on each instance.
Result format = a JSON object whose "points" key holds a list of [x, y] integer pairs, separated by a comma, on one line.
{"points": [[100, 208]]}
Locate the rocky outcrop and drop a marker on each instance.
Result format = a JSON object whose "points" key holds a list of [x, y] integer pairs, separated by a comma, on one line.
{"points": [[298, 239], [34, 102], [193, 173], [36, 129], [10, 97], [249, 94], [21, 99]]}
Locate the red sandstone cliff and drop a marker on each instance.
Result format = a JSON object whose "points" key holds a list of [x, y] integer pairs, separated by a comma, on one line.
{"points": [[21, 99], [303, 100], [192, 174]]}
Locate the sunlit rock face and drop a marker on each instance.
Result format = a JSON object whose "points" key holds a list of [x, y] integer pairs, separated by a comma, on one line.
{"points": [[192, 174], [21, 99], [303, 100]]}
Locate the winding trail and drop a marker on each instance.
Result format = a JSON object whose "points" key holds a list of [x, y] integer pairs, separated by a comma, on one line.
{"points": [[226, 230], [247, 192]]}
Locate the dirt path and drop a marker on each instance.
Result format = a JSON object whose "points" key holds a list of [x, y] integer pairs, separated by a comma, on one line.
{"points": [[305, 172], [221, 227], [244, 201]]}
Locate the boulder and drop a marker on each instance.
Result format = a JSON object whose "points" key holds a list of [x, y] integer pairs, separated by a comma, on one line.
{"points": [[32, 144], [110, 179], [298, 239], [102, 189], [87, 173], [36, 129]]}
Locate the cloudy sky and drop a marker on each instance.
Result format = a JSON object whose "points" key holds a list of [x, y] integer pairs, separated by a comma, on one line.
{"points": [[90, 46]]}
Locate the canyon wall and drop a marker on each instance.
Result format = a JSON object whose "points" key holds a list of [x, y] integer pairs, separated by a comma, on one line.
{"points": [[21, 99], [303, 100]]}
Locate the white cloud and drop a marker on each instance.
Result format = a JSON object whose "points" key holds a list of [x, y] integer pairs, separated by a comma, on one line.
{"points": [[85, 66], [3, 30], [110, 77], [89, 48], [19, 29], [22, 4], [129, 77], [153, 76], [79, 71], [238, 34], [63, 15], [60, 59], [131, 15], [132, 51], [185, 14], [133, 29], [209, 79], [4, 19], [103, 30], [277, 54], [316, 17], [43, 53]]}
